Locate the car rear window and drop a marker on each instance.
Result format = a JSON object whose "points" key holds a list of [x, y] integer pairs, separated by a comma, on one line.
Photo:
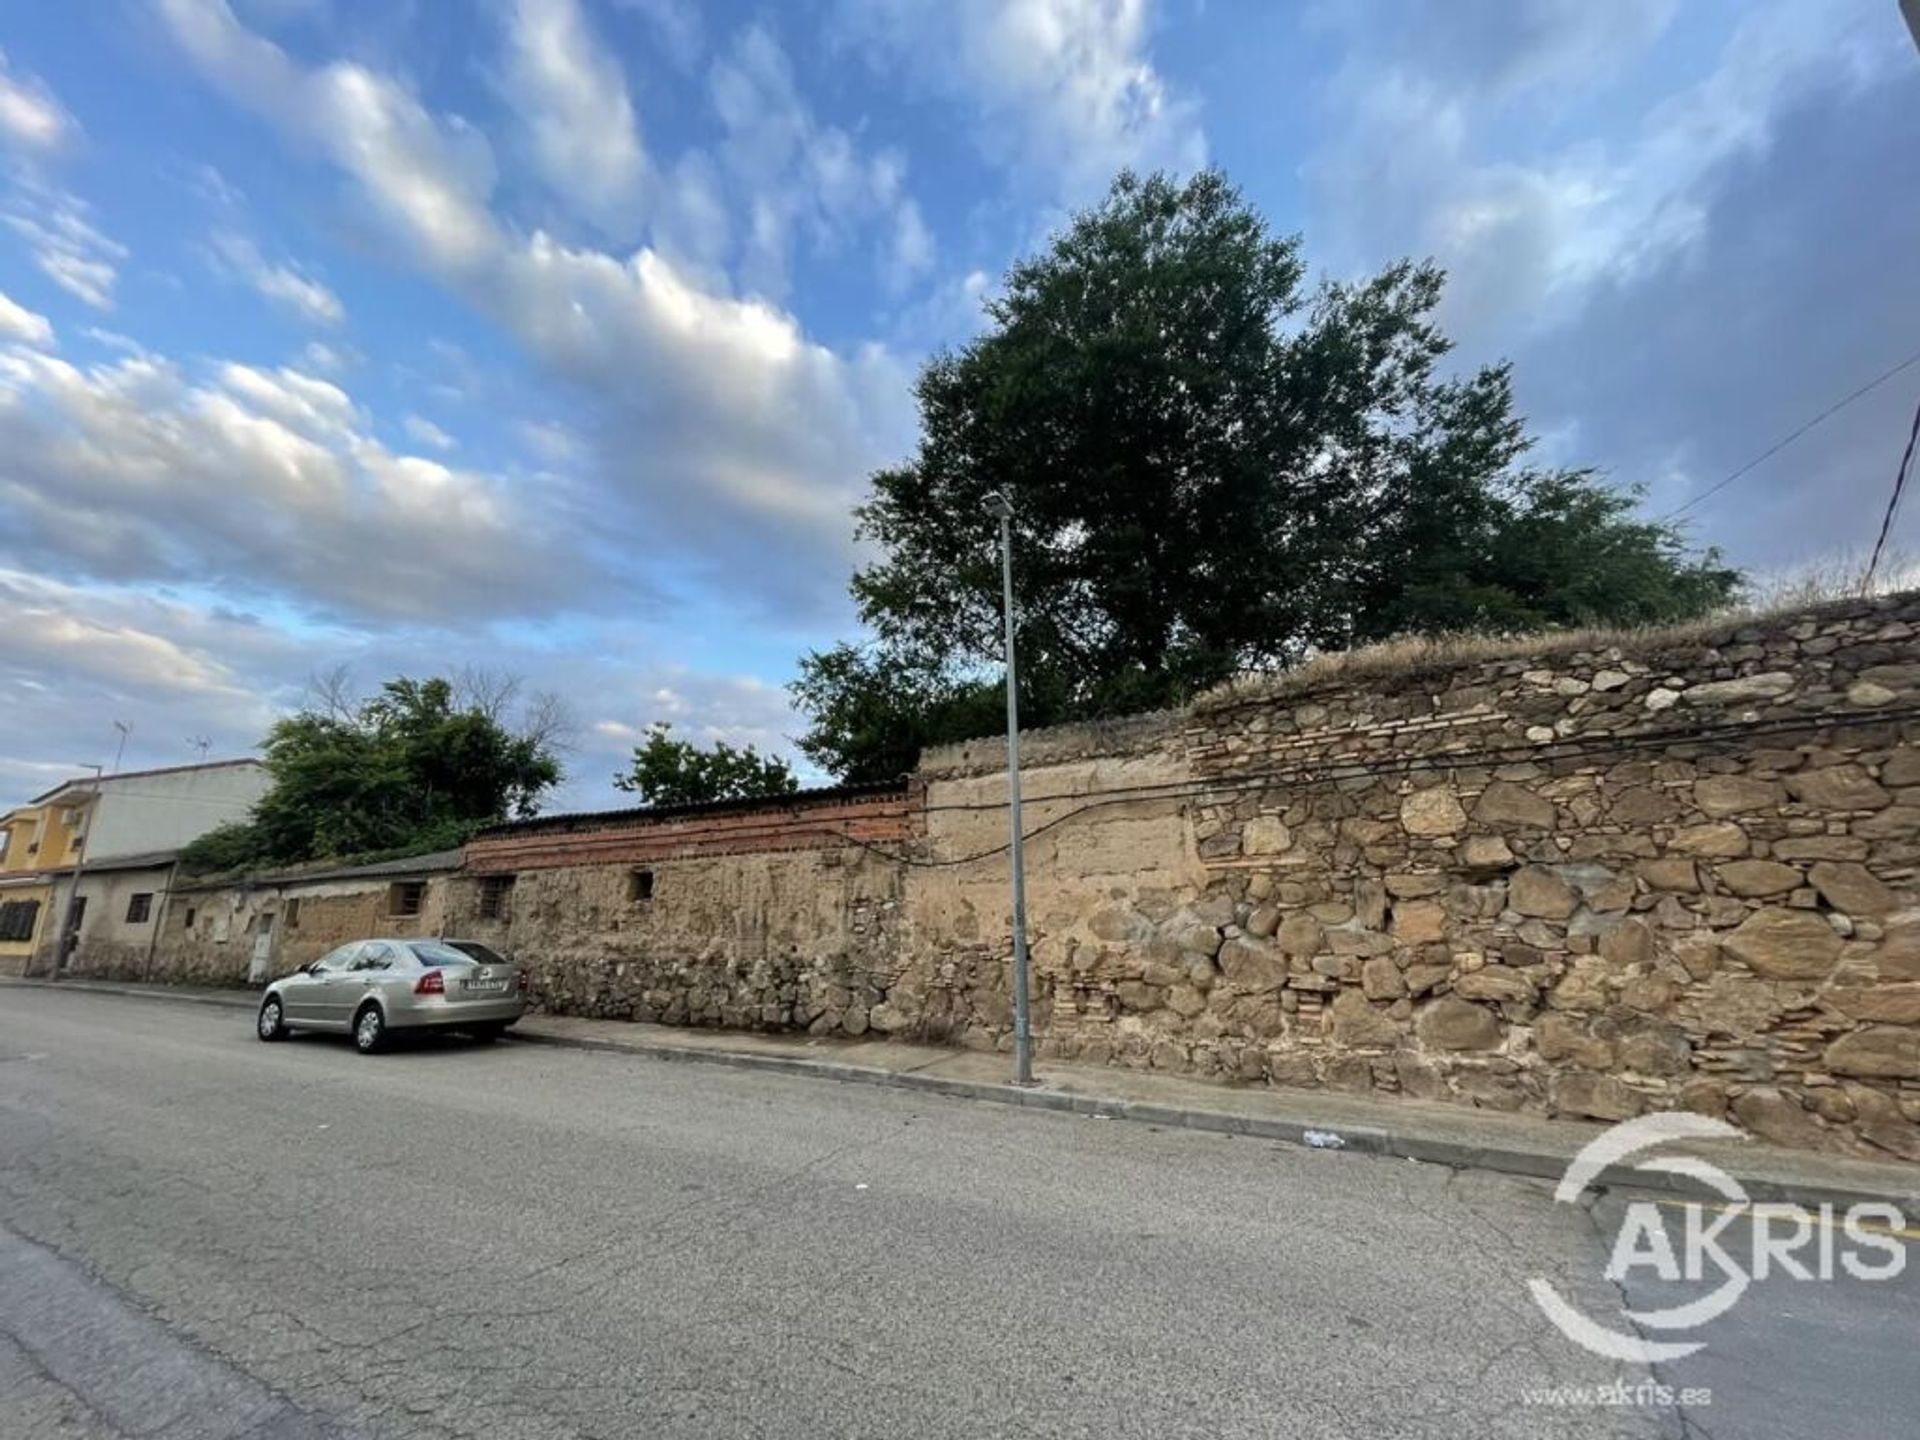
{"points": [[479, 952], [432, 952]]}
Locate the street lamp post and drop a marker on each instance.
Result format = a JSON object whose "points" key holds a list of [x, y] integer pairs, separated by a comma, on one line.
{"points": [[68, 937], [1022, 1020]]}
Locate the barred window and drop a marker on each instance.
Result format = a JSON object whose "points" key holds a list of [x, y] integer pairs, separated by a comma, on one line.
{"points": [[18, 919]]}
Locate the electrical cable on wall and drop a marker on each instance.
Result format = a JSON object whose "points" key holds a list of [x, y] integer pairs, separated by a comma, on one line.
{"points": [[1893, 504]]}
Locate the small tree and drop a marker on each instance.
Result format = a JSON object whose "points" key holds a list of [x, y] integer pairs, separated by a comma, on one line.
{"points": [[414, 768], [667, 771]]}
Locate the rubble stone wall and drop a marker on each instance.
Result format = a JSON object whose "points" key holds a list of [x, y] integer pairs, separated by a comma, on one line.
{"points": [[1591, 880], [773, 918]]}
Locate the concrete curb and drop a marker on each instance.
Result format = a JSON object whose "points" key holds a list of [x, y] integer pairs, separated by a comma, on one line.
{"points": [[1432, 1150], [1539, 1164]]}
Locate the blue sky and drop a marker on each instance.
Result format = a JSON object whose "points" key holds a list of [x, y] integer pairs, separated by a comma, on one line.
{"points": [[558, 336]]}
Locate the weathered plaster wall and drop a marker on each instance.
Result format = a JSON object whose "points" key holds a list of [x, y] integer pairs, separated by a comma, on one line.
{"points": [[1585, 882], [770, 919], [208, 935], [109, 944]]}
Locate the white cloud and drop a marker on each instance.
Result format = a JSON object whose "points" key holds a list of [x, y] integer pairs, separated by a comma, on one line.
{"points": [[286, 285], [675, 25], [17, 323], [31, 119], [553, 442], [63, 240], [1422, 155], [1066, 90], [734, 443], [48, 628], [428, 433], [799, 173], [572, 99], [260, 482]]}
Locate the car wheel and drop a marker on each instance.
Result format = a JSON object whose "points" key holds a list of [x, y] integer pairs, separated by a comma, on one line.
{"points": [[369, 1030], [487, 1034], [272, 1024]]}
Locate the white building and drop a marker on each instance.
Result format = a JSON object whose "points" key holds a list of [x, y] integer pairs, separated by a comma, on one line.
{"points": [[126, 833]]}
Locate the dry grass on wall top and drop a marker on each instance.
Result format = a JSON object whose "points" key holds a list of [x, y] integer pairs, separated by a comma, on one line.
{"points": [[1410, 658]]}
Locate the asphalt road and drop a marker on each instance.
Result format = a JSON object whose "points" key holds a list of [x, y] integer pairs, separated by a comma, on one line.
{"points": [[204, 1236]]}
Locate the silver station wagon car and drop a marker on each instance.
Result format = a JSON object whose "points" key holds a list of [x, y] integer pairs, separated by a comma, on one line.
{"points": [[370, 989]]}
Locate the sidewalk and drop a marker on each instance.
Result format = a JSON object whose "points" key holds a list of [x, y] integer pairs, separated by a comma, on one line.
{"points": [[1411, 1129]]}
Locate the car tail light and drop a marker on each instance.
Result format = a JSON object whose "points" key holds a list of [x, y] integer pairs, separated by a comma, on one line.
{"points": [[431, 983], [523, 982]]}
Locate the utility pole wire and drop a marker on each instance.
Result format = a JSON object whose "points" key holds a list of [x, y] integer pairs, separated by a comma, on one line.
{"points": [[1893, 504], [1787, 439]]}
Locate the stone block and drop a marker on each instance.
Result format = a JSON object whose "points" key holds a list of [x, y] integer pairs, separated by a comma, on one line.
{"points": [[1418, 922], [1880, 1052], [1537, 891], [1723, 795], [1503, 804], [1497, 983], [1849, 886], [1745, 690], [1356, 1022], [1837, 787], [1252, 964], [1561, 1039], [1433, 811], [1451, 1024], [1265, 835], [1300, 935], [1381, 979], [1778, 1117], [1754, 878], [1596, 1097], [1722, 840], [1785, 944], [1669, 873]]}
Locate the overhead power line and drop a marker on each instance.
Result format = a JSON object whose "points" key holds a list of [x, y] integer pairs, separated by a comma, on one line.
{"points": [[1893, 504], [1785, 440]]}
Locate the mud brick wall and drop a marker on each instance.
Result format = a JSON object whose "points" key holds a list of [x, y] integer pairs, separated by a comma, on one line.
{"points": [[1588, 880], [771, 917]]}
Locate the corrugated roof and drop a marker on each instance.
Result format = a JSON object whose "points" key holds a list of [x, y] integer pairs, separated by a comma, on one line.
{"points": [[151, 860], [596, 819]]}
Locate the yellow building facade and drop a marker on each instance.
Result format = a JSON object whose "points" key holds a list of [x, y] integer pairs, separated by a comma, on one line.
{"points": [[38, 842]]}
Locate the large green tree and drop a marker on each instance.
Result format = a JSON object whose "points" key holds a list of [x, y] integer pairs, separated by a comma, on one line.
{"points": [[668, 771], [419, 766], [1214, 466]]}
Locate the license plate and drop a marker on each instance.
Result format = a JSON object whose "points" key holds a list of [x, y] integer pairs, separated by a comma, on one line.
{"points": [[486, 985]]}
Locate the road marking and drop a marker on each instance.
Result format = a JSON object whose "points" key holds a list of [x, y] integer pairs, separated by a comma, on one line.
{"points": [[1868, 1227]]}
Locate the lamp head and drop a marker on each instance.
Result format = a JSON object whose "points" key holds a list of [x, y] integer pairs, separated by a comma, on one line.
{"points": [[998, 505]]}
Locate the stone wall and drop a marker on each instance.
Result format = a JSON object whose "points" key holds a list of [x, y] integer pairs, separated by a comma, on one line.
{"points": [[1588, 880], [760, 916]]}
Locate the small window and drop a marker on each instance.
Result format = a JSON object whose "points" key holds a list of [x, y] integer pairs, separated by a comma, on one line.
{"points": [[191, 912], [639, 886], [495, 891], [139, 908], [405, 897], [293, 913], [18, 919]]}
